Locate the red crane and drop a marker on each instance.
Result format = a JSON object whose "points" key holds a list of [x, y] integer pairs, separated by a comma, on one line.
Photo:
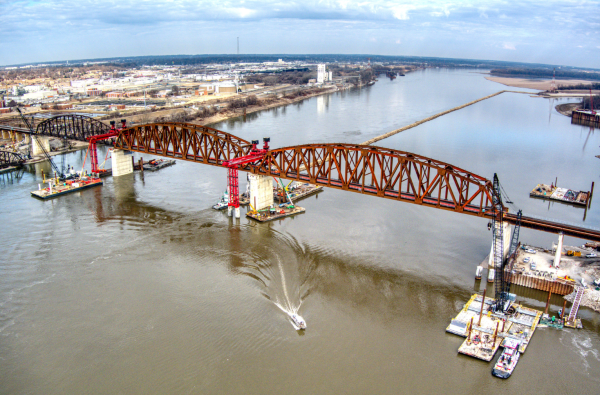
{"points": [[94, 139], [233, 165]]}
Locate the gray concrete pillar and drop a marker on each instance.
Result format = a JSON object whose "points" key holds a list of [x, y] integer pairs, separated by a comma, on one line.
{"points": [[261, 191], [36, 149], [558, 250], [121, 163]]}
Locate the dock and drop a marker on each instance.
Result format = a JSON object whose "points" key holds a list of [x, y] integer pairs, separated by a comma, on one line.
{"points": [[563, 195], [485, 331], [273, 214]]}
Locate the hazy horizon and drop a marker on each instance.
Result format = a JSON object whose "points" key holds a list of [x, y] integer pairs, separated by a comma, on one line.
{"points": [[559, 32]]}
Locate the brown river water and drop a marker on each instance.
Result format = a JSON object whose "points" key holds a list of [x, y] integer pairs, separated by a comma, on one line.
{"points": [[138, 286]]}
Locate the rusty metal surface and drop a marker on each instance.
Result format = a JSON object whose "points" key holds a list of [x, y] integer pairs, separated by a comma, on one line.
{"points": [[190, 142], [374, 171], [382, 172]]}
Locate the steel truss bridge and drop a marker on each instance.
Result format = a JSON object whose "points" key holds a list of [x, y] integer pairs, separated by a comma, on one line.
{"points": [[369, 170], [374, 171], [10, 158]]}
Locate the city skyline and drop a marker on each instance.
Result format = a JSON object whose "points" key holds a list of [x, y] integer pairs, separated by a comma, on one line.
{"points": [[558, 32]]}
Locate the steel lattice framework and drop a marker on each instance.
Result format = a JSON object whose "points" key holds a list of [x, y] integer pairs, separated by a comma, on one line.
{"points": [[72, 126], [382, 172], [183, 141], [376, 171], [9, 158]]}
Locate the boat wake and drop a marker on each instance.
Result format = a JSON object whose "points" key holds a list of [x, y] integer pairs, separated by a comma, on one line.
{"points": [[282, 268]]}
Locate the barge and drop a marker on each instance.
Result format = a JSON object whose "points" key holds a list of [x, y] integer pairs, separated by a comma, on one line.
{"points": [[563, 195], [271, 214], [486, 331], [157, 164], [57, 188], [296, 192]]}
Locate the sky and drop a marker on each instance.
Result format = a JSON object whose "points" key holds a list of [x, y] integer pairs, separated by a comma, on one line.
{"points": [[561, 32]]}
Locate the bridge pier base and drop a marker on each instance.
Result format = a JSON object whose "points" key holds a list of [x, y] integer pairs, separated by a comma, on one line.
{"points": [[36, 148], [261, 191], [5, 135], [233, 210], [121, 163]]}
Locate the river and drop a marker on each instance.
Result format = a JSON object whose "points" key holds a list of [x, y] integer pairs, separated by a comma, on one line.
{"points": [[138, 286]]}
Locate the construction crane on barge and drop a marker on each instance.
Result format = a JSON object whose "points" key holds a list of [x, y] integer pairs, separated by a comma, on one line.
{"points": [[502, 265]]}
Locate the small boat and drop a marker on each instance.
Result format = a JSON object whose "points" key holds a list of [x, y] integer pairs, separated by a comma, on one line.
{"points": [[298, 321], [508, 360], [223, 203]]}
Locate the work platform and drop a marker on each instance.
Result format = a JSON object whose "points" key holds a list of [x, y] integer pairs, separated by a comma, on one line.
{"points": [[274, 213], [563, 195], [296, 193], [68, 186], [486, 336]]}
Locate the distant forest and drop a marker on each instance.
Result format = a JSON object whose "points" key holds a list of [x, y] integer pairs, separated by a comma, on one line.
{"points": [[593, 85], [544, 72], [585, 104]]}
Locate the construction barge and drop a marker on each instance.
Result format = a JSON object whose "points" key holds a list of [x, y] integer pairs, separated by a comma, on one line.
{"points": [[295, 191], [57, 188], [274, 213], [586, 118], [563, 195], [486, 331]]}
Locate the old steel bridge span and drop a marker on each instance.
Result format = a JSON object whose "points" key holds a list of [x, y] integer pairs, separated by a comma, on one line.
{"points": [[369, 170]]}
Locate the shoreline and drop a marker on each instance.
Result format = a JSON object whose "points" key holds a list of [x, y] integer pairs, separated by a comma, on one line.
{"points": [[230, 114]]}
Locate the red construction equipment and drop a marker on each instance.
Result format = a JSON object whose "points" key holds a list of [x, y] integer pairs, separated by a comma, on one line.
{"points": [[233, 165], [94, 139]]}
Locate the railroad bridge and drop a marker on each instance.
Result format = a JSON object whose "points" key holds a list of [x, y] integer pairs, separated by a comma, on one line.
{"points": [[369, 170]]}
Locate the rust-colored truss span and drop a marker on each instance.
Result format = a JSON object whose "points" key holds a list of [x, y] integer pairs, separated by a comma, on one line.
{"points": [[183, 141], [72, 126], [375, 171], [382, 172]]}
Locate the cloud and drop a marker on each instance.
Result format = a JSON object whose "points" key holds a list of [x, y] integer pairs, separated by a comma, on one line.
{"points": [[427, 27]]}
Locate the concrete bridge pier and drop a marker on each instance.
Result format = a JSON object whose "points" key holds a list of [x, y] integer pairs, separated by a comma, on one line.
{"points": [[5, 134], [121, 162], [261, 191], [556, 263], [37, 144]]}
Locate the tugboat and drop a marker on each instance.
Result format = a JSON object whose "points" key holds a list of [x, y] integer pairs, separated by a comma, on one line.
{"points": [[223, 203], [508, 360], [298, 321]]}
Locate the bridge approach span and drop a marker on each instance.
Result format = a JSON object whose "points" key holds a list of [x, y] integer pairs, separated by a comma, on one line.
{"points": [[72, 127]]}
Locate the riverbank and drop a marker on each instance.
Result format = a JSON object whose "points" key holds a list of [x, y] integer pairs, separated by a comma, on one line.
{"points": [[264, 105], [223, 112], [537, 84], [567, 108]]}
